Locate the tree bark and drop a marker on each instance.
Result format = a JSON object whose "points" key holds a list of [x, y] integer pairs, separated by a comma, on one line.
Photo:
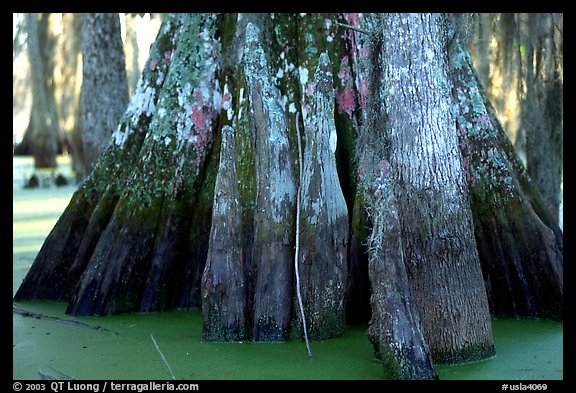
{"points": [[324, 218], [435, 217], [140, 229], [274, 212], [395, 329], [224, 303], [104, 93], [43, 131], [66, 252], [520, 246], [542, 109]]}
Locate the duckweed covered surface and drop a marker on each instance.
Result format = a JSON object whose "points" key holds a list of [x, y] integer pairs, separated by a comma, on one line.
{"points": [[526, 349]]}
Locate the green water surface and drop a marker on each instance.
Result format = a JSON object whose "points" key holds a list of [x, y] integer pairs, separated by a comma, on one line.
{"points": [[526, 349]]}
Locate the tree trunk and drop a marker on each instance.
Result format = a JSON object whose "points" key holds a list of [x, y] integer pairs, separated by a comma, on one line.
{"points": [[65, 254], [104, 88], [520, 246], [322, 261], [434, 213], [542, 110], [395, 329], [141, 230], [274, 216], [224, 302], [68, 96], [43, 131]]}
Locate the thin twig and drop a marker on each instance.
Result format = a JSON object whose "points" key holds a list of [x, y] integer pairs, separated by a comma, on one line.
{"points": [[44, 376], [162, 355], [298, 240], [26, 313], [62, 374], [359, 30]]}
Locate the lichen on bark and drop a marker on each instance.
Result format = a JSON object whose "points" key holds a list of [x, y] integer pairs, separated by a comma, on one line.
{"points": [[324, 217], [274, 212]]}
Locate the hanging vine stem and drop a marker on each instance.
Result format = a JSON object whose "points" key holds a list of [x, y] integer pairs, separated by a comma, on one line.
{"points": [[359, 30], [298, 294]]}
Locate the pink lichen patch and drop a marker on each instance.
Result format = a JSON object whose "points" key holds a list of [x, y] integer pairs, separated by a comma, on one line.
{"points": [[485, 120], [153, 64], [344, 75], [310, 89], [199, 118], [470, 178], [346, 102], [226, 98], [352, 19]]}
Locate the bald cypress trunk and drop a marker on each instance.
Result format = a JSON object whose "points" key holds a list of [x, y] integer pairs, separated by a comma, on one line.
{"points": [[429, 184], [542, 108], [115, 247], [322, 262], [149, 222], [274, 212], [519, 243], [395, 329], [224, 301]]}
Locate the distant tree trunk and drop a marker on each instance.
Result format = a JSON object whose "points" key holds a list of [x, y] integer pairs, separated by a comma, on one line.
{"points": [[482, 51], [104, 88], [542, 109], [42, 134], [132, 52], [69, 88]]}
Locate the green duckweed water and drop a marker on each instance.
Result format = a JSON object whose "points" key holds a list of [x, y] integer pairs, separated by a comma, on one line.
{"points": [[526, 349]]}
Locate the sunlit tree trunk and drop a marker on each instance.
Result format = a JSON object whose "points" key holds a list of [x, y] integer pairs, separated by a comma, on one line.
{"points": [[104, 88], [42, 134], [542, 109]]}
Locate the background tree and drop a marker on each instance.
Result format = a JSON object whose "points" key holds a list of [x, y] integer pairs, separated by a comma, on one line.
{"points": [[519, 61], [542, 109], [41, 137], [68, 78], [104, 87]]}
